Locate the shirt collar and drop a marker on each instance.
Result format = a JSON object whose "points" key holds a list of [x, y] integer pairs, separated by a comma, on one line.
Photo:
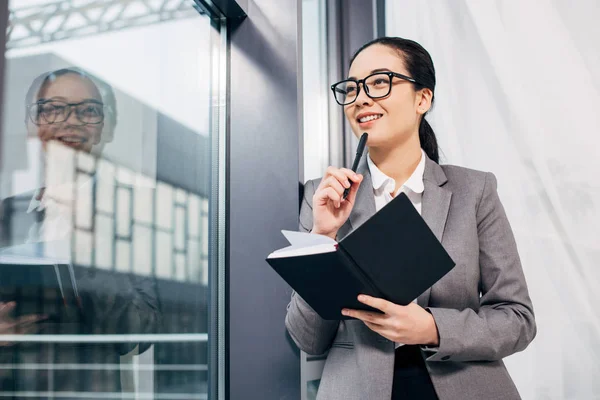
{"points": [[35, 203], [414, 182]]}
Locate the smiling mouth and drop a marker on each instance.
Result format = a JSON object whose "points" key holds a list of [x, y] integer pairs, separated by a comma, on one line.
{"points": [[72, 140], [370, 118]]}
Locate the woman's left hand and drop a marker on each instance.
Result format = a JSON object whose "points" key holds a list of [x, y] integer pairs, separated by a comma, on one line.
{"points": [[409, 324]]}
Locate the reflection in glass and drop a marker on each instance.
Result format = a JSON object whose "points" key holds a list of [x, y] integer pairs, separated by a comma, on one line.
{"points": [[102, 237]]}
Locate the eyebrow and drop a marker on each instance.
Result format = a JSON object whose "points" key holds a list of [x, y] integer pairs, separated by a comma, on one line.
{"points": [[374, 71], [64, 99]]}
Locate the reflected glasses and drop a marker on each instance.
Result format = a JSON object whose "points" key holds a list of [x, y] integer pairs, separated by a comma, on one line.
{"points": [[47, 112], [376, 86]]}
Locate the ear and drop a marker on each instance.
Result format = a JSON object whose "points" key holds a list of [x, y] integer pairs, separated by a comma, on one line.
{"points": [[424, 98]]}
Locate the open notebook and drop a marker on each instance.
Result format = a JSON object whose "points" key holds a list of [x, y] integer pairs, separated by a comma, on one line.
{"points": [[394, 255]]}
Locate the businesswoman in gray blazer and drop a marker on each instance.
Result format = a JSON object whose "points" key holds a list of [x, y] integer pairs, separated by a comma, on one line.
{"points": [[449, 343]]}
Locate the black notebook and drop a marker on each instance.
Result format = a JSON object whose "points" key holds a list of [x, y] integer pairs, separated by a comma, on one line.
{"points": [[40, 286], [393, 255]]}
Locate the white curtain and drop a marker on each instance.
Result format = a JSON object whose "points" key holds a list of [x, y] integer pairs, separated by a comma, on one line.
{"points": [[518, 94]]}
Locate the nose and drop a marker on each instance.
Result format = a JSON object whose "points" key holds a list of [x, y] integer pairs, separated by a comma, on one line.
{"points": [[362, 98], [72, 118]]}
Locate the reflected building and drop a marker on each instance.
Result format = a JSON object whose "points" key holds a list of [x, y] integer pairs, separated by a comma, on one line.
{"points": [[126, 206]]}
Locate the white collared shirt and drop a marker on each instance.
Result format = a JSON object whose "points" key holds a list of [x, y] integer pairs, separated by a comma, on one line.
{"points": [[383, 185]]}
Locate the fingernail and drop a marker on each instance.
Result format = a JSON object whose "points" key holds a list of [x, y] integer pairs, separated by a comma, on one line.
{"points": [[345, 312], [361, 297], [355, 177], [347, 184]]}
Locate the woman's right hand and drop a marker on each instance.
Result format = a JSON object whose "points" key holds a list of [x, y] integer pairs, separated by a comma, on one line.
{"points": [[26, 324], [330, 211]]}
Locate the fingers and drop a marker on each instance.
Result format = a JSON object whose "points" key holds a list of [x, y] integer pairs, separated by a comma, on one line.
{"points": [[6, 308], [366, 316], [29, 328], [328, 194], [338, 179], [23, 324], [337, 185], [341, 174], [30, 319], [374, 302]]}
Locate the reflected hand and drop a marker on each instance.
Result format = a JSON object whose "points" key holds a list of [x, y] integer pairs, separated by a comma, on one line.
{"points": [[330, 210], [25, 324], [409, 324]]}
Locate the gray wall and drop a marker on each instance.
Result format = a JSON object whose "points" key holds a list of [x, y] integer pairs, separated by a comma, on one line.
{"points": [[351, 24], [264, 171]]}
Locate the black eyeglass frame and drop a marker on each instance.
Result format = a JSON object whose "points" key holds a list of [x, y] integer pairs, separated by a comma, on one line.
{"points": [[70, 107], [359, 81]]}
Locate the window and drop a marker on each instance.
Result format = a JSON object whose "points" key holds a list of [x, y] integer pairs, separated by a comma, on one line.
{"points": [[109, 187]]}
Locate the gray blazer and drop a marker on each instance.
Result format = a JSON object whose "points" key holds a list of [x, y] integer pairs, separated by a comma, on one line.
{"points": [[482, 307]]}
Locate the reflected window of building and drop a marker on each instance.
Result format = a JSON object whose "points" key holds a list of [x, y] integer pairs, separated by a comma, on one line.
{"points": [[106, 191]]}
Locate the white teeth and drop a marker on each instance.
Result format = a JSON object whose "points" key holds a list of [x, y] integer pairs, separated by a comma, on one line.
{"points": [[370, 118]]}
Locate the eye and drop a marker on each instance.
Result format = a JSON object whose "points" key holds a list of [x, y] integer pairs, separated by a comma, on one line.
{"points": [[381, 81], [51, 109], [90, 110]]}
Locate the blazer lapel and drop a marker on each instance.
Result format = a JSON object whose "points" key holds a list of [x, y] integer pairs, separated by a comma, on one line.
{"points": [[434, 208]]}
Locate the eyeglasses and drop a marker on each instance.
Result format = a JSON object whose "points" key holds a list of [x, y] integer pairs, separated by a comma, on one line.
{"points": [[47, 112], [376, 86]]}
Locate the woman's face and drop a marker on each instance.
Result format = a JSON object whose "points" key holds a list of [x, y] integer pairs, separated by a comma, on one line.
{"points": [[397, 115], [73, 89]]}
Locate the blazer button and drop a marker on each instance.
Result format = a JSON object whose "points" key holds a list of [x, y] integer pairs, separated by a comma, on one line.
{"points": [[445, 358]]}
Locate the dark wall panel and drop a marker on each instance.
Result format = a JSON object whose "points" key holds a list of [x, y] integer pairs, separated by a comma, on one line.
{"points": [[263, 198]]}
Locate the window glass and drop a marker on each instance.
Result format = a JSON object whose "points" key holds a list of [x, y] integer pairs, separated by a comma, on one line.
{"points": [[105, 194]]}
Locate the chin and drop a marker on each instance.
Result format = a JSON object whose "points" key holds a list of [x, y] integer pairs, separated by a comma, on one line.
{"points": [[376, 137]]}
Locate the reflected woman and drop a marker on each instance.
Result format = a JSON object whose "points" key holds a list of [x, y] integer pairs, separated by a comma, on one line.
{"points": [[70, 112], [449, 343]]}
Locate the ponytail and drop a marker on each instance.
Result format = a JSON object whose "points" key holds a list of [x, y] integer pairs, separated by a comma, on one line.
{"points": [[428, 141]]}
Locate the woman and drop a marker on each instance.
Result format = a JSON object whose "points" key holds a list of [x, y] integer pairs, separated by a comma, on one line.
{"points": [[450, 342], [67, 107]]}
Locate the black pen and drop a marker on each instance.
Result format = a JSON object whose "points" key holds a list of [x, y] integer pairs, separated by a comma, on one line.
{"points": [[359, 152]]}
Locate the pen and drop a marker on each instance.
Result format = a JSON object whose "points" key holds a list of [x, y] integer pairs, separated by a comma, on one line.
{"points": [[359, 152]]}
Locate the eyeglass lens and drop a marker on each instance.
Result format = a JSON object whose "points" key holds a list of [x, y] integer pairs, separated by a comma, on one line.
{"points": [[376, 86], [56, 111]]}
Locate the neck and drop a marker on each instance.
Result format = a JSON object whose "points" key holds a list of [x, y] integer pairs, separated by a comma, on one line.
{"points": [[398, 162]]}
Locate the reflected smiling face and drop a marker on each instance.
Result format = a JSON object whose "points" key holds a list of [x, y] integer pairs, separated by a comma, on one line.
{"points": [[70, 88], [392, 120]]}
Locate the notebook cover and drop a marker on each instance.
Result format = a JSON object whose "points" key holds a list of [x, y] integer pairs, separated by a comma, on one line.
{"points": [[33, 287], [398, 252]]}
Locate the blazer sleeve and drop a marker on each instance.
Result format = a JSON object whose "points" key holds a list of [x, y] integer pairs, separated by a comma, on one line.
{"points": [[311, 333], [504, 323]]}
